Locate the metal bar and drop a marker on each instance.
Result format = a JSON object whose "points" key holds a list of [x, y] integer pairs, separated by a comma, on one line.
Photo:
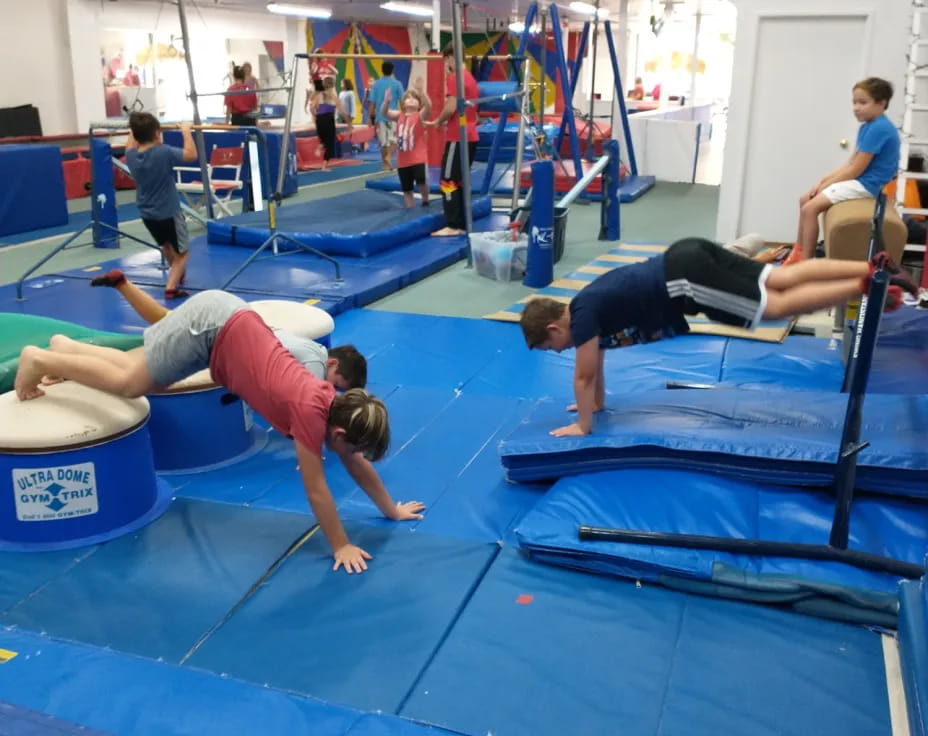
{"points": [[249, 260], [755, 547], [45, 259], [124, 125], [620, 96], [285, 142], [572, 85], [119, 232], [462, 123], [543, 61], [491, 98], [200, 140], [568, 109], [520, 136], [583, 183], [319, 253], [589, 123], [234, 92], [409, 57]]}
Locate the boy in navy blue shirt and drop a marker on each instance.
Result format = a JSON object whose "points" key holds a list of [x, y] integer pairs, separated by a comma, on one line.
{"points": [[152, 166], [647, 301], [872, 166]]}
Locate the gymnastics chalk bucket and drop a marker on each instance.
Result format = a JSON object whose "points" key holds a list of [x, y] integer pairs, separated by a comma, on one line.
{"points": [[75, 469], [497, 256], [197, 425]]}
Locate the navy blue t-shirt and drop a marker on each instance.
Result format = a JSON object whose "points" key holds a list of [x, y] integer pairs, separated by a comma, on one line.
{"points": [[153, 171], [627, 305]]}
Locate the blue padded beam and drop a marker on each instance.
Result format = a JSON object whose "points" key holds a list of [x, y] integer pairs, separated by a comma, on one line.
{"points": [[742, 434], [913, 651]]}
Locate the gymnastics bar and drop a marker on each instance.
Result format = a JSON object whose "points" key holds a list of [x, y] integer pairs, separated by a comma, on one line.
{"points": [[574, 81], [480, 100], [568, 108], [124, 125], [243, 92], [836, 550], [410, 57], [583, 183], [620, 96]]}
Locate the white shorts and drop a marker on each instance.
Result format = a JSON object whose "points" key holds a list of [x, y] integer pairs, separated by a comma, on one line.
{"points": [[386, 133], [841, 191]]}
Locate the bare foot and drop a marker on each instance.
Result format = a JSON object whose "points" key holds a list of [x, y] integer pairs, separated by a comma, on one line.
{"points": [[447, 232], [28, 374]]}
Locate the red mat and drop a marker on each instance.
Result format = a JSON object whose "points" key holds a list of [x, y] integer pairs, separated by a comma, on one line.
{"points": [[333, 164], [564, 181]]}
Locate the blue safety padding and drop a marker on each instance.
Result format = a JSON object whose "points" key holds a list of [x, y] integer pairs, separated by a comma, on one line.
{"points": [[124, 694], [502, 178], [371, 636], [198, 559], [545, 651], [310, 178], [34, 197], [632, 187], [900, 361], [913, 652], [738, 433], [23, 573], [796, 363], [693, 503], [76, 220], [18, 721], [356, 224]]}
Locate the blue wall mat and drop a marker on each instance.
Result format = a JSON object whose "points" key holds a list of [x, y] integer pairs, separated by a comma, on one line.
{"points": [[913, 651], [796, 363], [123, 694], [592, 655], [693, 503], [740, 433], [34, 197], [23, 573], [503, 179], [479, 503], [351, 639], [156, 592], [900, 363]]}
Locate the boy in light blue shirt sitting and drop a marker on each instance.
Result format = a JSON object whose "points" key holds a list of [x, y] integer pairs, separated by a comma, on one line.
{"points": [[872, 166]]}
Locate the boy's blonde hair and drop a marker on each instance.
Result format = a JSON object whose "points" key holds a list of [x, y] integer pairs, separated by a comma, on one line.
{"points": [[415, 95], [364, 419], [537, 315]]}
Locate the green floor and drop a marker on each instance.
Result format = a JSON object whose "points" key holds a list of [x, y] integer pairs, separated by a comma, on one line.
{"points": [[666, 213]]}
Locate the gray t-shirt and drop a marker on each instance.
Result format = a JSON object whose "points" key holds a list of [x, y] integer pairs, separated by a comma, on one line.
{"points": [[153, 171], [308, 352]]}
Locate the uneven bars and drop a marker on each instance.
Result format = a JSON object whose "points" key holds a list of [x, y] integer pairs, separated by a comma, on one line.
{"points": [[583, 183], [124, 125], [411, 57]]}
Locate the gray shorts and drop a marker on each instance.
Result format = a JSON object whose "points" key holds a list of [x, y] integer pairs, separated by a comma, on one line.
{"points": [[180, 344], [386, 132]]}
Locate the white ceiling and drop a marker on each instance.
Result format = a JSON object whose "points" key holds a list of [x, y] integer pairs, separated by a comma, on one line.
{"points": [[477, 14]]}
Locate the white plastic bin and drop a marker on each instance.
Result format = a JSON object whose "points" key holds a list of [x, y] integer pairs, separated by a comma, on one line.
{"points": [[497, 256]]}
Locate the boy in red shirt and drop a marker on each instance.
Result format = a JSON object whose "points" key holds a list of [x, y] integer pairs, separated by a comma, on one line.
{"points": [[451, 174], [412, 155], [217, 330], [241, 109]]}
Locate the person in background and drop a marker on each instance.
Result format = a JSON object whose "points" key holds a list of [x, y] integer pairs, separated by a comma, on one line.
{"points": [[132, 77], [251, 81], [347, 98], [323, 107], [386, 128], [638, 91], [241, 109]]}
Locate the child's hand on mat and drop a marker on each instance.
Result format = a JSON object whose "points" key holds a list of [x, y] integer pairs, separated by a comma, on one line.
{"points": [[571, 430], [596, 408], [353, 558], [408, 511]]}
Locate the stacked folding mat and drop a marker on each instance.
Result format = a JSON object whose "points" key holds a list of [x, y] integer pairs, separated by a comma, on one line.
{"points": [[753, 457]]}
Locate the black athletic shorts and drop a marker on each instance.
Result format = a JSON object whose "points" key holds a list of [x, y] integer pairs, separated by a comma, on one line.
{"points": [[172, 231], [410, 175], [723, 285]]}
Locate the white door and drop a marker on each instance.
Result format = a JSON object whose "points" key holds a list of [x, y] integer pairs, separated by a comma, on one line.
{"points": [[798, 120]]}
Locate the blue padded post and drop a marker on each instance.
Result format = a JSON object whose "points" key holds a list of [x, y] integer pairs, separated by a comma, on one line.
{"points": [[539, 269], [572, 88], [610, 216], [103, 195], [568, 109], [620, 96]]}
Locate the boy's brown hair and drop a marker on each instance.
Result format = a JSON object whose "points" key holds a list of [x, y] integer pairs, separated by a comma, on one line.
{"points": [[879, 89], [352, 366], [144, 127], [364, 419], [537, 315]]}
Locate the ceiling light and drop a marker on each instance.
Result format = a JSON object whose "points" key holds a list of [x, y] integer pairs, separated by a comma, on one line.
{"points": [[301, 11], [517, 26], [423, 11], [581, 7]]}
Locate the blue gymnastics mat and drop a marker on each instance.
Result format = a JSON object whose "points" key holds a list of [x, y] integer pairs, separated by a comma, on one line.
{"points": [[502, 179], [545, 651], [913, 651], [695, 503], [733, 432], [357, 224], [122, 694]]}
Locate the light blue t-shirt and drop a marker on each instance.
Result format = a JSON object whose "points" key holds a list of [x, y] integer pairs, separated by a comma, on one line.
{"points": [[879, 137], [310, 353], [379, 92], [153, 171]]}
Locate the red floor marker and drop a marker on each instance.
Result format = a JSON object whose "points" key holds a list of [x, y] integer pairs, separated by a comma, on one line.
{"points": [[525, 599]]}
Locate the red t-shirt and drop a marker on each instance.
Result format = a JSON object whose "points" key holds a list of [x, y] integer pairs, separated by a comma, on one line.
{"points": [[411, 136], [241, 104], [250, 361], [471, 92]]}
